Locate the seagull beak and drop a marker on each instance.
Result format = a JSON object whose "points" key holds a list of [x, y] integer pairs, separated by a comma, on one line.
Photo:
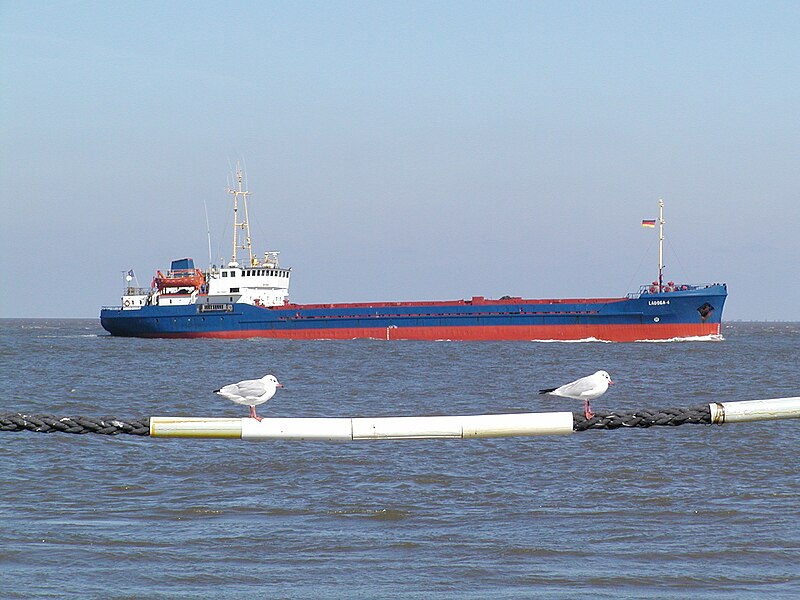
{"points": [[279, 385], [610, 382]]}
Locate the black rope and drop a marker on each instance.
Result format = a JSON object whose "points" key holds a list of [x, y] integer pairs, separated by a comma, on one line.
{"points": [[643, 418], [51, 424], [111, 426]]}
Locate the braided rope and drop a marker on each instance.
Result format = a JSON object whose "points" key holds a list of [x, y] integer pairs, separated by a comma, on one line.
{"points": [[643, 418], [51, 424], [111, 426]]}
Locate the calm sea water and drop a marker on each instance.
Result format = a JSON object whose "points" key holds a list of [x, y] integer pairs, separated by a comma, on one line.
{"points": [[685, 512]]}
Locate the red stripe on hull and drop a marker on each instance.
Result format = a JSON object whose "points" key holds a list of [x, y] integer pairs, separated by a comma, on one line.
{"points": [[610, 333]]}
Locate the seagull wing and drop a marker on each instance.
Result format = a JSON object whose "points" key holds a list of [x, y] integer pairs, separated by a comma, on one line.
{"points": [[228, 390], [251, 388], [586, 387]]}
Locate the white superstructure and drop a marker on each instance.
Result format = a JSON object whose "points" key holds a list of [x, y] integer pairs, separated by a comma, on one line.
{"points": [[259, 281]]}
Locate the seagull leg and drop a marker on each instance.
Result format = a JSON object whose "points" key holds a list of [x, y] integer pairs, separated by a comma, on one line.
{"points": [[253, 414], [587, 410]]}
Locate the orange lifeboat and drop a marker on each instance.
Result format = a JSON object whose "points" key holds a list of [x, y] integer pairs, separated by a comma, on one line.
{"points": [[182, 279], [181, 275]]}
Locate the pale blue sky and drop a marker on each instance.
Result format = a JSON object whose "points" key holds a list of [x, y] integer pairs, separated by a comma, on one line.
{"points": [[402, 150]]}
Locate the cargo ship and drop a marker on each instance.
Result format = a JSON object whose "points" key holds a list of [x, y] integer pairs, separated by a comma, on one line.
{"points": [[251, 299]]}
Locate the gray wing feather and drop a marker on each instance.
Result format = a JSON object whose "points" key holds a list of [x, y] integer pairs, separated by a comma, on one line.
{"points": [[581, 387], [252, 388]]}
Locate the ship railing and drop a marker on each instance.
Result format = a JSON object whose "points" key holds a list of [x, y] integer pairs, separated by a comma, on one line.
{"points": [[181, 273], [136, 291], [652, 288]]}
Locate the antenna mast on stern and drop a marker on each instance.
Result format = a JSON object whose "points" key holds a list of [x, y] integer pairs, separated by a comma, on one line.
{"points": [[660, 245]]}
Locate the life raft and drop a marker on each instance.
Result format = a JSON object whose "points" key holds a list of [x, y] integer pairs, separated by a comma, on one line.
{"points": [[184, 278]]}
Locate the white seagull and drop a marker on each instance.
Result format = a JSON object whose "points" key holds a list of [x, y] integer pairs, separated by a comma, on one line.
{"points": [[586, 389], [251, 392]]}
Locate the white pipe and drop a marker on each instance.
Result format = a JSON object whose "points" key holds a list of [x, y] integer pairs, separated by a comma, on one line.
{"points": [[755, 410], [473, 426], [370, 428], [195, 427], [297, 429]]}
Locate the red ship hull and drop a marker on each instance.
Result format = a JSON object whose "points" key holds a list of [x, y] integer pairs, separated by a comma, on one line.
{"points": [[609, 333]]}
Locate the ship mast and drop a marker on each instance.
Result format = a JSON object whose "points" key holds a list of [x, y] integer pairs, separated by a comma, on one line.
{"points": [[660, 245], [245, 224]]}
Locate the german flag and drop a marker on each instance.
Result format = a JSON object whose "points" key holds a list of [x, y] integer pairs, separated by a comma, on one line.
{"points": [[648, 223]]}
